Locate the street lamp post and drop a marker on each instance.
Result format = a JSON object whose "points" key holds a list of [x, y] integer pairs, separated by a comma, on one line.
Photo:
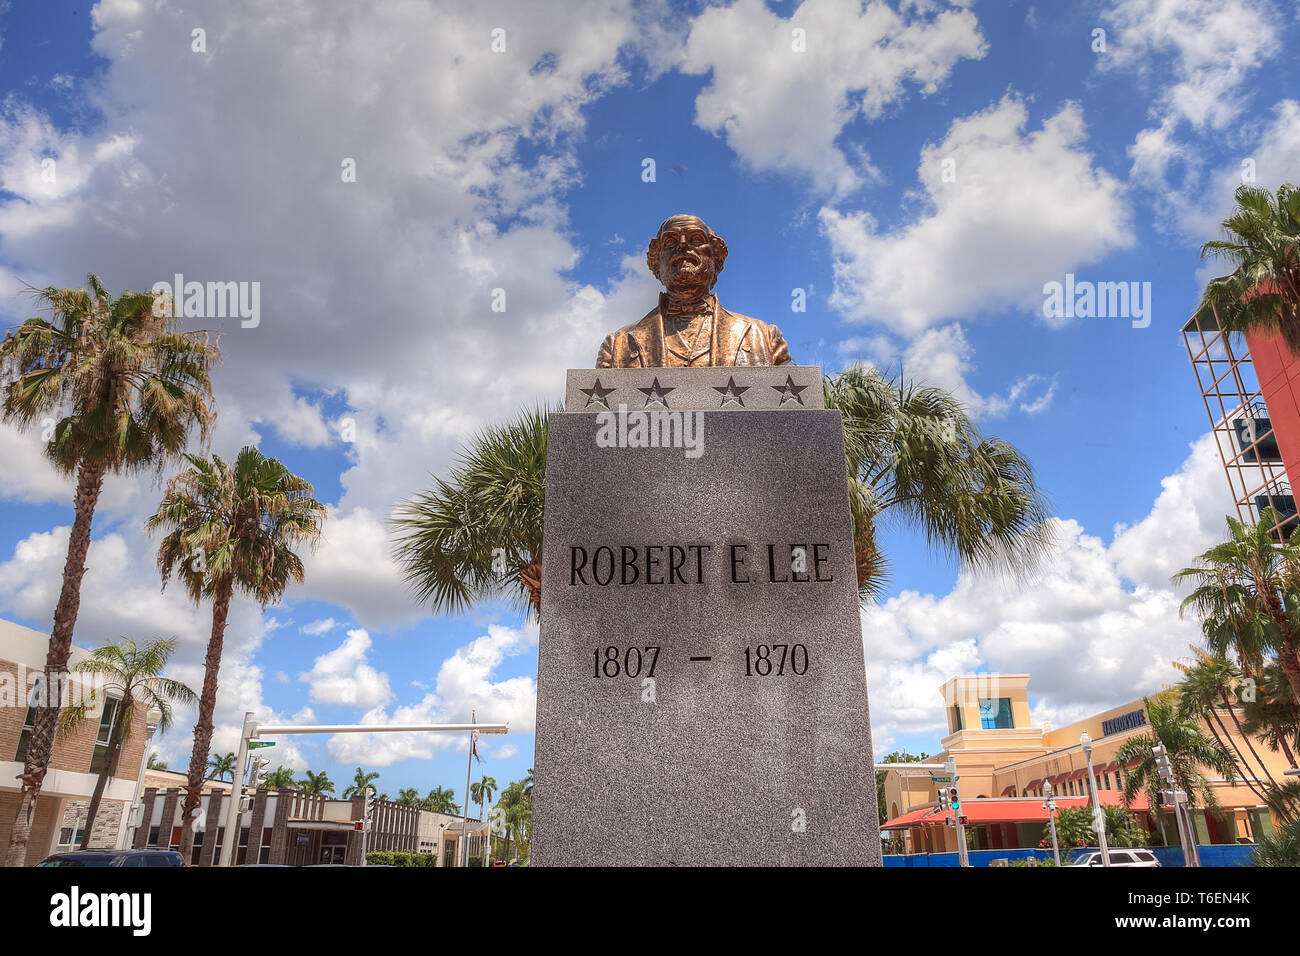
{"points": [[1050, 806], [1098, 817]]}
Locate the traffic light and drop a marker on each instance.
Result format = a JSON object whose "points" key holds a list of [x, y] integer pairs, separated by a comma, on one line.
{"points": [[370, 805], [1165, 798], [1162, 762], [258, 776], [943, 798], [953, 800], [358, 825]]}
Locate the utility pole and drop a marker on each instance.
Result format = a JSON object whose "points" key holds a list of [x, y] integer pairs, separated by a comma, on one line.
{"points": [[1098, 815], [1050, 806], [954, 799], [1166, 774], [469, 763], [231, 842]]}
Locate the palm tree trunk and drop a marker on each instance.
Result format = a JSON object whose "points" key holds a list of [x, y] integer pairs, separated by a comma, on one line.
{"points": [[203, 729], [530, 576], [1289, 661], [1229, 746], [90, 481], [1244, 736], [106, 773]]}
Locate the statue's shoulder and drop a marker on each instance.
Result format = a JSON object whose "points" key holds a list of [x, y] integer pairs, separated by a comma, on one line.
{"points": [[644, 324], [738, 321]]}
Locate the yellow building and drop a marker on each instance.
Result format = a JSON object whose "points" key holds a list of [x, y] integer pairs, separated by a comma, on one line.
{"points": [[1003, 761]]}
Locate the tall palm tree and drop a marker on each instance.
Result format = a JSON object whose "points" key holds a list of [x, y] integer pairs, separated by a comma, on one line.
{"points": [[1274, 715], [316, 783], [441, 800], [360, 781], [1206, 691], [479, 534], [281, 778], [915, 455], [119, 389], [154, 763], [231, 526], [1188, 748], [132, 676], [517, 814], [482, 791], [221, 766], [1262, 242], [408, 797], [1246, 591]]}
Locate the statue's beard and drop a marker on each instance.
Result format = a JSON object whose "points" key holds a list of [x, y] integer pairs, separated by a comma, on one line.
{"points": [[690, 284]]}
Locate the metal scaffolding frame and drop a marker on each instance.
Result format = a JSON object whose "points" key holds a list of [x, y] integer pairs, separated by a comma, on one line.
{"points": [[1239, 419]]}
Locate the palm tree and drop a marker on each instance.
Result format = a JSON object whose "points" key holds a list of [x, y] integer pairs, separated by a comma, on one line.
{"points": [[1281, 849], [441, 800], [1262, 241], [154, 763], [914, 453], [408, 797], [1274, 716], [1247, 594], [281, 778], [221, 766], [482, 791], [479, 535], [1188, 748], [133, 675], [231, 526], [528, 784], [316, 783], [517, 814], [1208, 680], [360, 782], [118, 389]]}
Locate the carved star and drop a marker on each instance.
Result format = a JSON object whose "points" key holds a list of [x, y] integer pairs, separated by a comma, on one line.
{"points": [[656, 393], [789, 391], [596, 395], [731, 392]]}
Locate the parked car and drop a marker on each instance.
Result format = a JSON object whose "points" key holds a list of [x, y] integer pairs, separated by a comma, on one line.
{"points": [[143, 857], [1117, 858]]}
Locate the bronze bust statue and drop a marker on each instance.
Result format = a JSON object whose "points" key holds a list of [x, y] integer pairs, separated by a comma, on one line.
{"points": [[688, 327]]}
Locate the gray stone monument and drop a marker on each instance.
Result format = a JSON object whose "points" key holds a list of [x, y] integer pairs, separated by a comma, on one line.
{"points": [[701, 695]]}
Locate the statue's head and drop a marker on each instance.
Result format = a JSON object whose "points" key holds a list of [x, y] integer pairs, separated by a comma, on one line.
{"points": [[686, 256]]}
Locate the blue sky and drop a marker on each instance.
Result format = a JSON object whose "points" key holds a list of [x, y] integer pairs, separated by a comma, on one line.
{"points": [[522, 170]]}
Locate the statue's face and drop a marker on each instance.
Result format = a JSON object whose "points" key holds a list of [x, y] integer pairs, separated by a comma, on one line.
{"points": [[686, 264]]}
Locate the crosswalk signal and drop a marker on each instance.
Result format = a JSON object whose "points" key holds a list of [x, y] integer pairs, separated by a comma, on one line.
{"points": [[953, 800]]}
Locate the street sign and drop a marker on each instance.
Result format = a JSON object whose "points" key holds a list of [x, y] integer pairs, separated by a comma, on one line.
{"points": [[254, 744], [941, 779]]}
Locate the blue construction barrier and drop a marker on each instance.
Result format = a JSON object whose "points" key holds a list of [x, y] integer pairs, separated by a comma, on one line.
{"points": [[1232, 854]]}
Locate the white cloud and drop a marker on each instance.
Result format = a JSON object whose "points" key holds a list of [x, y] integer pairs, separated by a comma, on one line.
{"points": [[505, 752], [783, 110], [316, 628], [986, 241], [342, 676], [1207, 47], [464, 682], [1096, 626]]}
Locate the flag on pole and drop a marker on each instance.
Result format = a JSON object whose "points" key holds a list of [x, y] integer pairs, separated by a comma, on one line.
{"points": [[473, 746]]}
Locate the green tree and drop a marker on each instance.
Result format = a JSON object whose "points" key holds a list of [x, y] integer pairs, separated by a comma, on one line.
{"points": [[1274, 715], [360, 781], [1280, 849], [914, 455], [1074, 827], [281, 778], [132, 677], [481, 792], [1188, 748], [1262, 242], [1246, 591], [154, 763], [408, 797], [118, 389], [517, 818], [221, 766], [441, 800], [231, 526], [316, 783], [478, 535]]}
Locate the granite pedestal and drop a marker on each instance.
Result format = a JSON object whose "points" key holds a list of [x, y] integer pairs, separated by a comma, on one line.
{"points": [[701, 691]]}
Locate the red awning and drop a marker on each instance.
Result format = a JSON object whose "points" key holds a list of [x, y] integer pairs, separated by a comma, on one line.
{"points": [[1007, 810], [1009, 791], [1110, 767], [1076, 774], [1033, 784]]}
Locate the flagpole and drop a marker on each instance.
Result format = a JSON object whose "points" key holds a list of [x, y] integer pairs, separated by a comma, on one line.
{"points": [[469, 763]]}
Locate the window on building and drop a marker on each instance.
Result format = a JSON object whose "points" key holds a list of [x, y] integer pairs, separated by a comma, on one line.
{"points": [[29, 722], [956, 717], [101, 737], [995, 713], [67, 836], [153, 836], [1105, 777]]}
